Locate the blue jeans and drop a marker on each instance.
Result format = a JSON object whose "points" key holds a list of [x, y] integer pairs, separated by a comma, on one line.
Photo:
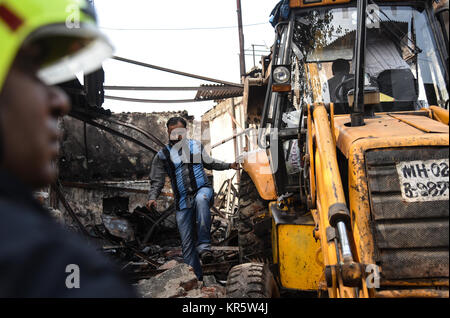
{"points": [[197, 218]]}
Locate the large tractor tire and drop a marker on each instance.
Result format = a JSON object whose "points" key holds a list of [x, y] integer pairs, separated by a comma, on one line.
{"points": [[251, 280], [252, 209]]}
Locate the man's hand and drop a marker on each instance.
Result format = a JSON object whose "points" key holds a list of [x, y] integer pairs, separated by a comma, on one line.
{"points": [[151, 204], [235, 166]]}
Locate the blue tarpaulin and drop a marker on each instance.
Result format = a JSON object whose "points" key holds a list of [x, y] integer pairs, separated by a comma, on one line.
{"points": [[280, 12]]}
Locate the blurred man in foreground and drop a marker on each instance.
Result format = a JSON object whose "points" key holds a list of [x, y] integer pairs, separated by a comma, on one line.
{"points": [[43, 43]]}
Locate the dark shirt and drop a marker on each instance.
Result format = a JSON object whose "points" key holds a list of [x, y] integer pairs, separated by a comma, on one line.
{"points": [[333, 83], [35, 252]]}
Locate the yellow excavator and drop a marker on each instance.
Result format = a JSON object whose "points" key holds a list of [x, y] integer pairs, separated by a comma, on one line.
{"points": [[347, 193]]}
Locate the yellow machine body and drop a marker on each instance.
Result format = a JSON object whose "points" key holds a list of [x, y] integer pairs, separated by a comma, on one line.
{"points": [[257, 165], [338, 174], [302, 258], [388, 131], [295, 251], [314, 3], [385, 131]]}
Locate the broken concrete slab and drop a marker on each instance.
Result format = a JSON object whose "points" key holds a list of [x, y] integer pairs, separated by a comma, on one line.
{"points": [[169, 265], [212, 289], [213, 292], [209, 280], [206, 292], [175, 282], [179, 281]]}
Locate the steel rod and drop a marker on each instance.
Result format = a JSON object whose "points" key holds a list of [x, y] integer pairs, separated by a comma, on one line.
{"points": [[343, 239], [357, 116], [241, 39], [168, 70], [164, 88]]}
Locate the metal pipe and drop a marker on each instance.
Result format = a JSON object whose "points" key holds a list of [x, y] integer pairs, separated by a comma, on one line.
{"points": [[267, 100], [102, 187], [57, 189], [163, 69], [357, 116], [235, 141], [443, 53], [163, 88], [164, 215], [254, 61], [343, 239], [156, 101], [268, 97], [91, 122], [241, 39], [282, 58], [285, 58], [147, 134], [232, 137]]}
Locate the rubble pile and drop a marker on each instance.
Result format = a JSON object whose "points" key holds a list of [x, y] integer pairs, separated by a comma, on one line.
{"points": [[147, 247], [179, 281], [101, 193]]}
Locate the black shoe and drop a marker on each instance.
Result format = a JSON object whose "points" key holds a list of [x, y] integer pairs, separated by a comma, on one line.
{"points": [[206, 257]]}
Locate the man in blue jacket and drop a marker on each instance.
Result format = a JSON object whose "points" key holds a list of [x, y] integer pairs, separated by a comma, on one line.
{"points": [[184, 160]]}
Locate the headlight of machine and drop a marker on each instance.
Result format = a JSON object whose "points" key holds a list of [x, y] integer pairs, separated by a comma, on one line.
{"points": [[281, 75]]}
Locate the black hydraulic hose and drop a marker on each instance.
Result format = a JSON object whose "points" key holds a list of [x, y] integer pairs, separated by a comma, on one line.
{"points": [[91, 122], [57, 188], [357, 116], [163, 216], [140, 130]]}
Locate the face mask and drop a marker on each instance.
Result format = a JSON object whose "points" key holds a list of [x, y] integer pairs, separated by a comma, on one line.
{"points": [[178, 134], [173, 142]]}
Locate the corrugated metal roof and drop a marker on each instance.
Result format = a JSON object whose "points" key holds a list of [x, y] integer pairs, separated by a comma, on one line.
{"points": [[218, 92]]}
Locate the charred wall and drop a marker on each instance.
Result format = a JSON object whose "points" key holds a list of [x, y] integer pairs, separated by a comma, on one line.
{"points": [[89, 154], [100, 172]]}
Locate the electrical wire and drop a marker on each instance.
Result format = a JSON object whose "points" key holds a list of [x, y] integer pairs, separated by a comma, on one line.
{"points": [[180, 29]]}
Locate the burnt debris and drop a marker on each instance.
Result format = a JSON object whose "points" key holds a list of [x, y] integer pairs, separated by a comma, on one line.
{"points": [[102, 193]]}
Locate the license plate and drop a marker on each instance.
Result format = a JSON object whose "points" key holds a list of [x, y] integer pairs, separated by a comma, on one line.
{"points": [[424, 180]]}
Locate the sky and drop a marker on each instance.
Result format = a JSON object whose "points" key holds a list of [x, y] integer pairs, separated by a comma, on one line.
{"points": [[209, 47]]}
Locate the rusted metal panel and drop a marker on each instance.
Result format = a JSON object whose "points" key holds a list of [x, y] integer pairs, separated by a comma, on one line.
{"points": [[382, 127], [384, 184], [412, 238], [383, 179], [417, 234], [423, 123], [409, 293], [386, 157], [391, 206], [420, 282], [417, 263]]}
